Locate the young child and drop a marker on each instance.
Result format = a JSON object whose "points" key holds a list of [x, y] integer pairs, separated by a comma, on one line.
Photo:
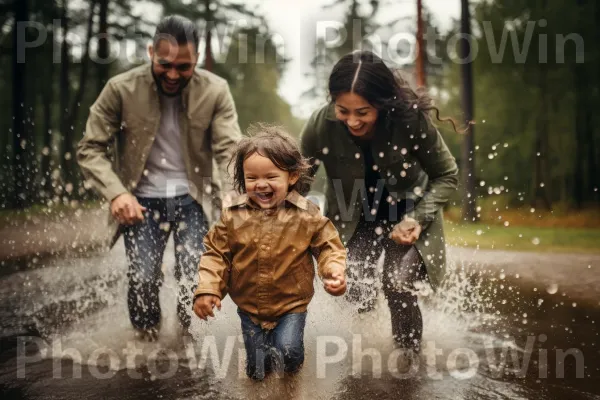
{"points": [[260, 252]]}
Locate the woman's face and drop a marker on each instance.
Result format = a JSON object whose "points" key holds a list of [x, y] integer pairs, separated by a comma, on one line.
{"points": [[356, 113]]}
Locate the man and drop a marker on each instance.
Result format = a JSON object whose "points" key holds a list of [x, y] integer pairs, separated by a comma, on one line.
{"points": [[164, 124]]}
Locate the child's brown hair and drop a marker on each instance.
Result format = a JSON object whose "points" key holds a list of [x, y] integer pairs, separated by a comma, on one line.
{"points": [[274, 143]]}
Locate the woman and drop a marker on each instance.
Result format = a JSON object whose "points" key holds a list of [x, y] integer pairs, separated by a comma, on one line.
{"points": [[389, 173]]}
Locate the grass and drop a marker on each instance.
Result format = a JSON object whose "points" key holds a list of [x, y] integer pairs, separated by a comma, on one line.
{"points": [[522, 238], [525, 229], [40, 212]]}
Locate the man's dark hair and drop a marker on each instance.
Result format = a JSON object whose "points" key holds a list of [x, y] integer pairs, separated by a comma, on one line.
{"points": [[178, 28]]}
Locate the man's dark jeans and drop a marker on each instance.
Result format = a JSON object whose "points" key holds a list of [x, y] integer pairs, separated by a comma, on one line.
{"points": [[278, 349], [145, 244]]}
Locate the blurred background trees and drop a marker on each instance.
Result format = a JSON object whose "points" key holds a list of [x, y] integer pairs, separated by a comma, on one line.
{"points": [[535, 85]]}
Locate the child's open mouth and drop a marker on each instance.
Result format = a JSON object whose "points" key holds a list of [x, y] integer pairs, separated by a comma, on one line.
{"points": [[264, 196]]}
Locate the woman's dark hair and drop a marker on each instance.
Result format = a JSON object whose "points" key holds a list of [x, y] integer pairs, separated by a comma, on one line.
{"points": [[365, 73], [178, 28], [275, 144]]}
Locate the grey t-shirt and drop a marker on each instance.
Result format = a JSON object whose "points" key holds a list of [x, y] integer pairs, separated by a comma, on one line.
{"points": [[165, 174]]}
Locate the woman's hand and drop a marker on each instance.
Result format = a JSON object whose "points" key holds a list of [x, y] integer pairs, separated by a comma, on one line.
{"points": [[407, 232], [204, 304], [335, 281]]}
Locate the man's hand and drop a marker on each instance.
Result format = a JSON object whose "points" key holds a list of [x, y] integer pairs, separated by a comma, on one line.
{"points": [[204, 304], [406, 232], [335, 281], [126, 209]]}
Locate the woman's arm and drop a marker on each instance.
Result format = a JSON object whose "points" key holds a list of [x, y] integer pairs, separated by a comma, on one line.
{"points": [[439, 165]]}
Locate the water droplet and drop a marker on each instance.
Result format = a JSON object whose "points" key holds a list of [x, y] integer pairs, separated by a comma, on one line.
{"points": [[502, 275], [418, 190], [532, 210], [46, 151], [379, 230], [163, 161], [197, 169], [381, 154], [491, 156], [403, 151], [325, 150], [145, 172], [506, 223], [357, 156], [540, 301], [67, 156], [552, 288], [415, 106], [482, 183], [479, 232], [403, 173], [574, 304], [535, 241]]}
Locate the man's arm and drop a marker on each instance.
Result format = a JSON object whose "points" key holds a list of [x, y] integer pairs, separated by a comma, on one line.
{"points": [[102, 125], [226, 133]]}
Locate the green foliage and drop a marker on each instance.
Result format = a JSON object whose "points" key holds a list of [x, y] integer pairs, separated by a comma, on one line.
{"points": [[525, 105]]}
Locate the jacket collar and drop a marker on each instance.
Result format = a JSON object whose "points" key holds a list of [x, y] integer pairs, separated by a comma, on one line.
{"points": [[293, 197]]}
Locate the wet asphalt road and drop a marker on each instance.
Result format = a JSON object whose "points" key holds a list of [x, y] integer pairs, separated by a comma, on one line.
{"points": [[488, 335]]}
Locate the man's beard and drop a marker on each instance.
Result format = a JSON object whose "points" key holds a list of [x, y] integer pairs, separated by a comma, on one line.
{"points": [[158, 80]]}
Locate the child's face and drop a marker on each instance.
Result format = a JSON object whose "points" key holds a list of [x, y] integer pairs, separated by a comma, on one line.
{"points": [[266, 184]]}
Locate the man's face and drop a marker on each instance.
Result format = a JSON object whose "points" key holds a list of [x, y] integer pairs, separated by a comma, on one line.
{"points": [[172, 65]]}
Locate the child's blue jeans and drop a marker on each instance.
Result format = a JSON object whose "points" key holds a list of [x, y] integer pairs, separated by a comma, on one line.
{"points": [[278, 349]]}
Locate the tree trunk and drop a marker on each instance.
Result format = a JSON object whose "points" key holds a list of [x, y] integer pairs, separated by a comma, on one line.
{"points": [[64, 80], [69, 165], [21, 137], [103, 45], [208, 55], [541, 148], [580, 128], [469, 213], [48, 100]]}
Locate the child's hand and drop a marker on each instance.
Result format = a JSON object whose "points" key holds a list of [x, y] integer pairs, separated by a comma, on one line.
{"points": [[204, 304], [335, 282]]}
